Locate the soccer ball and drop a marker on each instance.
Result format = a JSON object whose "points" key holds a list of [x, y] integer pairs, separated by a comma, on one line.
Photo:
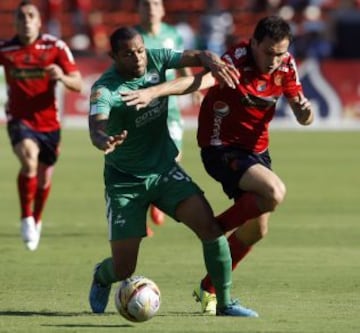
{"points": [[137, 298]]}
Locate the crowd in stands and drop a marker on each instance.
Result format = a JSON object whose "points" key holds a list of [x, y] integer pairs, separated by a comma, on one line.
{"points": [[321, 28]]}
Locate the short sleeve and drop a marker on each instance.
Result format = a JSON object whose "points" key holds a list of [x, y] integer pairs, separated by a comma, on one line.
{"points": [[100, 101]]}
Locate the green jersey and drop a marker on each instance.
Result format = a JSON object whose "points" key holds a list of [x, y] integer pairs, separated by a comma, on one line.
{"points": [[148, 148], [169, 38]]}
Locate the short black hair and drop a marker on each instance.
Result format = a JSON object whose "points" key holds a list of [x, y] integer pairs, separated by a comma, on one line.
{"points": [[25, 2], [273, 27], [120, 35]]}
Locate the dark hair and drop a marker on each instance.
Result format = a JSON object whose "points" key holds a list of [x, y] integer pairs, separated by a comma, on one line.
{"points": [[274, 27], [120, 35], [25, 3]]}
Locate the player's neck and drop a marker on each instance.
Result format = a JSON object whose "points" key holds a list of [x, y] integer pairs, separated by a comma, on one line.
{"points": [[27, 40]]}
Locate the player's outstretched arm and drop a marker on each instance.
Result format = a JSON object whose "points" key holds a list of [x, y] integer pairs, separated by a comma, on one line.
{"points": [[72, 81], [98, 136], [302, 109], [180, 86], [226, 74]]}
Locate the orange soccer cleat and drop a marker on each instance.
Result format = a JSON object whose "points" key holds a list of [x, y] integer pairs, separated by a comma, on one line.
{"points": [[157, 216]]}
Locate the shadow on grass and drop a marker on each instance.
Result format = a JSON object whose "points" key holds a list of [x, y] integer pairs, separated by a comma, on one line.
{"points": [[64, 314], [89, 325], [47, 313]]}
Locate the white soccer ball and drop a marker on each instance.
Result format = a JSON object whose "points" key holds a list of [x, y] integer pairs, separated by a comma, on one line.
{"points": [[137, 298]]}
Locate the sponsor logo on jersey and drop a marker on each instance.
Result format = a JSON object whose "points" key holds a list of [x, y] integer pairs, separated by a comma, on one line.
{"points": [[240, 52], [261, 102], [27, 73], [151, 114], [228, 59], [221, 110]]}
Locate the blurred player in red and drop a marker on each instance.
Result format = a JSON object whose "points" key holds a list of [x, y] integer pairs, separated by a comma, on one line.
{"points": [[233, 134], [33, 64]]}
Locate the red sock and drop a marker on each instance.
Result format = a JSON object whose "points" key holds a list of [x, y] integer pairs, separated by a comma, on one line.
{"points": [[238, 252], [26, 189], [244, 208], [40, 200]]}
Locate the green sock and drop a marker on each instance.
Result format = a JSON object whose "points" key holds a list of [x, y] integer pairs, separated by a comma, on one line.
{"points": [[218, 264], [105, 275]]}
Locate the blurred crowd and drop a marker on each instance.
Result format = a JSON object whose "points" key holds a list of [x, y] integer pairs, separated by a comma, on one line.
{"points": [[321, 28]]}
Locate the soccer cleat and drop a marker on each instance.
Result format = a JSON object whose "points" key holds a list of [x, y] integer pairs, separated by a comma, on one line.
{"points": [[207, 300], [149, 231], [29, 233], [157, 216], [99, 294], [38, 227], [236, 310]]}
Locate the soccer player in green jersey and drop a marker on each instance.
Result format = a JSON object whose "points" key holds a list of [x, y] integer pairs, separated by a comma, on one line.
{"points": [[140, 167], [157, 34]]}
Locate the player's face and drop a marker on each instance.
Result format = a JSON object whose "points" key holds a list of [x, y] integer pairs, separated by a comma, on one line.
{"points": [[131, 59], [269, 54], [28, 23], [151, 11]]}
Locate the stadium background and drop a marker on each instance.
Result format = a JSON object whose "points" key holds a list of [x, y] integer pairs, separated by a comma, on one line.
{"points": [[325, 33]]}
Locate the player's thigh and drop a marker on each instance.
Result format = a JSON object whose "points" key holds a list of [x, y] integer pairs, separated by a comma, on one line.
{"points": [[196, 213], [27, 152], [126, 211], [183, 200], [260, 179]]}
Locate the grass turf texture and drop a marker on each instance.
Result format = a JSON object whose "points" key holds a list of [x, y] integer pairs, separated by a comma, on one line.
{"points": [[303, 278]]}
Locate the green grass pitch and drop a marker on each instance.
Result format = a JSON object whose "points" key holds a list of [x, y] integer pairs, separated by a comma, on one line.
{"points": [[303, 278]]}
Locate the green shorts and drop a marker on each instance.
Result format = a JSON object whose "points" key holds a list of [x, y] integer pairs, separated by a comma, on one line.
{"points": [[128, 198]]}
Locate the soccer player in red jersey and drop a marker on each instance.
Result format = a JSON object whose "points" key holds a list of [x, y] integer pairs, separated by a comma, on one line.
{"points": [[33, 64], [233, 134]]}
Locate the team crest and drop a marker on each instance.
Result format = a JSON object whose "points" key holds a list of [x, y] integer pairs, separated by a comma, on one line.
{"points": [[152, 77], [278, 80], [261, 86]]}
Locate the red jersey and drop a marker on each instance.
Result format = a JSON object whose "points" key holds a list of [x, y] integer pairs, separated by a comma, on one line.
{"points": [[31, 93], [240, 117]]}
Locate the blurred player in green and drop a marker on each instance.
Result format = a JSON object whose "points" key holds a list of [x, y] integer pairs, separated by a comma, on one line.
{"points": [[140, 167], [157, 34]]}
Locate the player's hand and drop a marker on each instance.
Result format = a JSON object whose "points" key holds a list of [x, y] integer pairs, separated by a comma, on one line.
{"points": [[112, 141], [303, 109], [55, 72], [138, 98], [226, 74]]}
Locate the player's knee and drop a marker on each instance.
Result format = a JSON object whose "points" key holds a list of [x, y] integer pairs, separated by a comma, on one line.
{"points": [[276, 196], [279, 193]]}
